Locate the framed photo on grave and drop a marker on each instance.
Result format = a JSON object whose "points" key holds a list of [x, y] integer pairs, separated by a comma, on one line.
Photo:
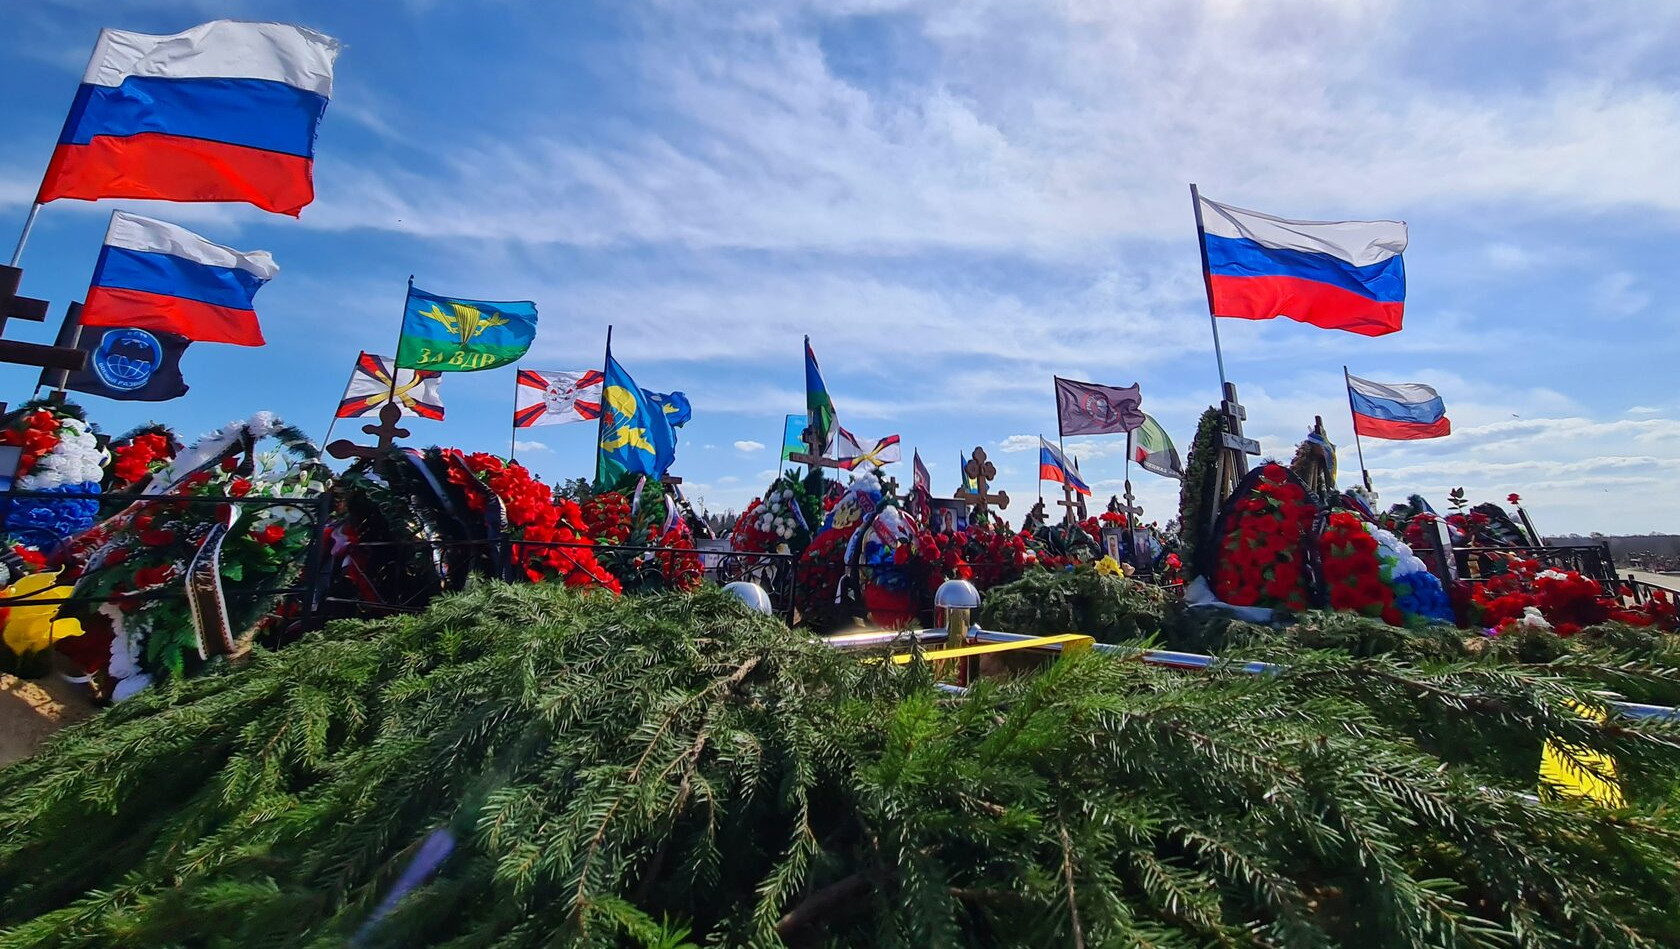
{"points": [[948, 514], [1114, 543]]}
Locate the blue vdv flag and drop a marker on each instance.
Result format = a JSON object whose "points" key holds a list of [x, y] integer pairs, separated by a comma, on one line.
{"points": [[636, 434], [452, 334], [674, 404]]}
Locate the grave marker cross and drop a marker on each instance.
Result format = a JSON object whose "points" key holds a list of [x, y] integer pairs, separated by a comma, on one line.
{"points": [[387, 432], [981, 472]]}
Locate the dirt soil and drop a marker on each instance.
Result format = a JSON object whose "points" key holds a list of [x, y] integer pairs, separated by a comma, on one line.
{"points": [[30, 711]]}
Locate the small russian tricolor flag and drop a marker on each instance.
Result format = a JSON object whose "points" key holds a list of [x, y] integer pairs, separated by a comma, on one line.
{"points": [[1054, 466], [226, 111], [1401, 410], [1336, 275], [153, 275]]}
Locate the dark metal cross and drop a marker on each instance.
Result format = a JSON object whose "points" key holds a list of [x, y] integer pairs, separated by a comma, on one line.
{"points": [[387, 432], [981, 472]]}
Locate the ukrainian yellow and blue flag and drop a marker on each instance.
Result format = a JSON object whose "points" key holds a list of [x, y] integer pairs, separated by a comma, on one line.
{"points": [[636, 433]]}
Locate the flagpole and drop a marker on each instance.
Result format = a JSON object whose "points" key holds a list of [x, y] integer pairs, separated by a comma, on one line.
{"points": [[1347, 380], [1131, 509], [1207, 282], [23, 238], [346, 394], [1041, 476], [513, 432], [601, 420]]}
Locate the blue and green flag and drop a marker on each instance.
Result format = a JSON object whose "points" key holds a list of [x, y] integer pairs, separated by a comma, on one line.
{"points": [[636, 433], [819, 407], [448, 334], [792, 431]]}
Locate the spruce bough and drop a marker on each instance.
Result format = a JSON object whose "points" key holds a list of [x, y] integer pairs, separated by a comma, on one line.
{"points": [[619, 771]]}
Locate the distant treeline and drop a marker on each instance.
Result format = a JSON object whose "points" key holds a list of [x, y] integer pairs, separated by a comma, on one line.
{"points": [[1625, 549]]}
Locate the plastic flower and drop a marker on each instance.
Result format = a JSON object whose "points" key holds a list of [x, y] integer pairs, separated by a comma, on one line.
{"points": [[1109, 567], [33, 627]]}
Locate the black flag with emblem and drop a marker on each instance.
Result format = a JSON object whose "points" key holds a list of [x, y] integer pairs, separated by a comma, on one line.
{"points": [[130, 365], [1086, 408]]}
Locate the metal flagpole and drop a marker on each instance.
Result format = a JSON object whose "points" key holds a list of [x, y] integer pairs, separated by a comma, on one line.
{"points": [[1041, 474], [334, 423], [23, 238], [606, 407], [1359, 445], [513, 433], [1207, 281]]}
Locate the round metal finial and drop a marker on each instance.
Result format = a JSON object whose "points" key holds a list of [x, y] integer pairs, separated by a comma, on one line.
{"points": [[751, 594], [957, 595]]}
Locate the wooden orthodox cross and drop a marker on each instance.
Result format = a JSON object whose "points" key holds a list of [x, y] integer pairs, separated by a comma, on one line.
{"points": [[981, 472], [387, 432], [1071, 505], [812, 456], [1233, 460]]}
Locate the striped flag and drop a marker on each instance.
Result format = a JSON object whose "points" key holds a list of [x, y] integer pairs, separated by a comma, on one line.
{"points": [[416, 390], [1399, 410], [1336, 275], [555, 398], [1154, 451], [225, 111], [1054, 466]]}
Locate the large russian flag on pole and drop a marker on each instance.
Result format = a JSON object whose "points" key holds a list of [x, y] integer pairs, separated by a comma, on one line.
{"points": [[157, 276], [1336, 275], [1401, 410], [226, 111]]}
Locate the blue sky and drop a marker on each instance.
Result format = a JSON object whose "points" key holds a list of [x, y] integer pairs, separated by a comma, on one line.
{"points": [[956, 201]]}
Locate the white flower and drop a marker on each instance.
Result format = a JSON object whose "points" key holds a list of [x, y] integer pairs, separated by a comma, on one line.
{"points": [[1531, 618]]}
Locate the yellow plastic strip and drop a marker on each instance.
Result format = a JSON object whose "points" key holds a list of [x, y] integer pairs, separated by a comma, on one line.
{"points": [[1066, 642]]}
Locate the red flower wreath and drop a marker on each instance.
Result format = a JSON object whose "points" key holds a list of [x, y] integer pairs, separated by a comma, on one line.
{"points": [[1262, 558]]}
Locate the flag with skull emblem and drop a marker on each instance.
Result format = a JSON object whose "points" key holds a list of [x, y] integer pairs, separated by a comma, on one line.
{"points": [[555, 398]]}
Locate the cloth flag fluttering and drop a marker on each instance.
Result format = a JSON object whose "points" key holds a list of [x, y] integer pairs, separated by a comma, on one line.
{"points": [[130, 365], [920, 478], [370, 387], [1336, 275], [1154, 451], [1086, 408], [848, 448], [1054, 466], [673, 404], [157, 276], [792, 431], [1400, 410], [819, 406], [555, 398], [636, 436], [451, 334], [968, 483], [225, 111]]}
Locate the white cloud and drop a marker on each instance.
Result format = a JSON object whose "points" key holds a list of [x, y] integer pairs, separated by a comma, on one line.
{"points": [[748, 445], [1644, 410], [1618, 294], [529, 446]]}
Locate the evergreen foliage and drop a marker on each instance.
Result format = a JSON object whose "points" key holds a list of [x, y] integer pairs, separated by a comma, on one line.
{"points": [[1196, 503], [641, 772], [1047, 602]]}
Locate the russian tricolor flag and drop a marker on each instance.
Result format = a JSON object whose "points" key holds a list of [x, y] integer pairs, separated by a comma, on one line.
{"points": [[1336, 275], [1054, 466], [226, 111], [157, 276], [1401, 410]]}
